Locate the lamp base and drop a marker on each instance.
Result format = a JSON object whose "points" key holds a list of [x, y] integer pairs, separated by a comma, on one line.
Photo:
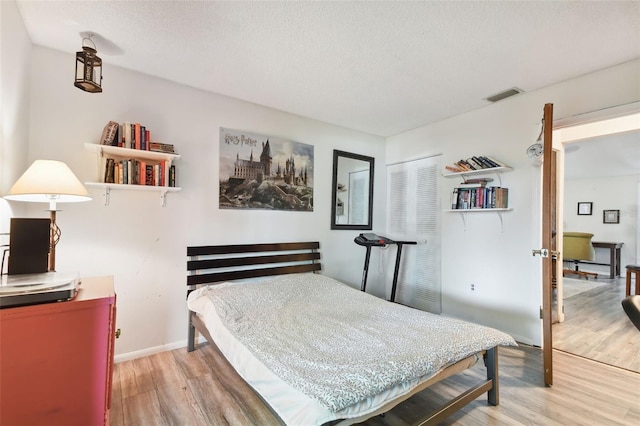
{"points": [[55, 234]]}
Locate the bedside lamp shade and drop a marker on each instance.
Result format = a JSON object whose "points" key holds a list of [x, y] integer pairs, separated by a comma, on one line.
{"points": [[49, 181]]}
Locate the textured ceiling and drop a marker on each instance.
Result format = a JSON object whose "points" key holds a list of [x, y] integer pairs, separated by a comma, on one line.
{"points": [[379, 67]]}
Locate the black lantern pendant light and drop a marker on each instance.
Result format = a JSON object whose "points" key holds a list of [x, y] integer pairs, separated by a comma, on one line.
{"points": [[88, 68]]}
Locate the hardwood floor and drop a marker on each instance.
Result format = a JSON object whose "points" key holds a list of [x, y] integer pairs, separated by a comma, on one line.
{"points": [[597, 328], [181, 388]]}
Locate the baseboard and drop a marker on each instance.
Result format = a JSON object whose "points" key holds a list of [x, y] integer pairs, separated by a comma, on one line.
{"points": [[154, 350], [523, 340]]}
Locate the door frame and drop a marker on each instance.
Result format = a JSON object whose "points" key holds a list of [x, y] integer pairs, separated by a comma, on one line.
{"points": [[563, 131]]}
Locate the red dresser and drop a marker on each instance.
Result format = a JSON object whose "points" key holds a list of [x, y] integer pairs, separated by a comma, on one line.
{"points": [[56, 359]]}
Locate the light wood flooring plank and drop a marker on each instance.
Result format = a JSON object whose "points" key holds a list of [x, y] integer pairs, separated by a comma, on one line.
{"points": [[143, 374], [178, 405], [143, 409], [116, 415], [127, 378]]}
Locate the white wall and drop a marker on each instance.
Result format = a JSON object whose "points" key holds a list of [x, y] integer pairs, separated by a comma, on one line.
{"points": [[14, 105], [606, 193], [506, 276], [143, 244]]}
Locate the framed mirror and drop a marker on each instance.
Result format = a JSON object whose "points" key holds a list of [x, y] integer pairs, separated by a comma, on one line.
{"points": [[352, 191]]}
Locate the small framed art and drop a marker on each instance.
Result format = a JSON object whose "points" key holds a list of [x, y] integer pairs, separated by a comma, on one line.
{"points": [[611, 216], [585, 208]]}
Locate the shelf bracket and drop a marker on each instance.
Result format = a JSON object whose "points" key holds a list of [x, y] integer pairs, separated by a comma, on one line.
{"points": [[501, 222], [163, 198], [463, 216], [106, 195]]}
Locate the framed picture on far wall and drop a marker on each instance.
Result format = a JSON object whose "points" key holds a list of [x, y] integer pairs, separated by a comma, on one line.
{"points": [[585, 208], [611, 216]]}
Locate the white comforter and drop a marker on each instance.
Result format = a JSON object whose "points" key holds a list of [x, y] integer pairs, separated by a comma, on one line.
{"points": [[337, 345]]}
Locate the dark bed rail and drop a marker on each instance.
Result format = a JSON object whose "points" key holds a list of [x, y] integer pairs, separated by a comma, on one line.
{"points": [[250, 248]]}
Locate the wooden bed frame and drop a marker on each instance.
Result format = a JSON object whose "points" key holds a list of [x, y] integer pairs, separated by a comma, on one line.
{"points": [[214, 264]]}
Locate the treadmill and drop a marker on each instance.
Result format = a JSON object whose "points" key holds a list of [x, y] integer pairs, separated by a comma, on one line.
{"points": [[369, 240]]}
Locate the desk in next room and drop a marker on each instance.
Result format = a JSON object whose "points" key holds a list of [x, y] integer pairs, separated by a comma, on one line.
{"points": [[614, 256]]}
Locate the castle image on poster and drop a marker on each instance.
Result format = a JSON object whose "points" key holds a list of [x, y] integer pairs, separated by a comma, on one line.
{"points": [[264, 172]]}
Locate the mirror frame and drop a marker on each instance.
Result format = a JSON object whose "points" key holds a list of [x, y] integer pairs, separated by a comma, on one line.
{"points": [[334, 196]]}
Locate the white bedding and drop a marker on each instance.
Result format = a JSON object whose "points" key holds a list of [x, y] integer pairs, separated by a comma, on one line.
{"points": [[242, 335]]}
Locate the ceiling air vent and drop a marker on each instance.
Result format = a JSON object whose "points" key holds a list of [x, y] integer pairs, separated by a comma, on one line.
{"points": [[504, 94]]}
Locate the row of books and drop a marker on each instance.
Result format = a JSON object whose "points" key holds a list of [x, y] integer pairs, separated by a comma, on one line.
{"points": [[477, 162], [480, 197], [138, 172], [133, 136]]}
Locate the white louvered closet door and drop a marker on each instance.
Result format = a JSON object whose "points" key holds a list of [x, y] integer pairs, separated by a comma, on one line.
{"points": [[413, 214]]}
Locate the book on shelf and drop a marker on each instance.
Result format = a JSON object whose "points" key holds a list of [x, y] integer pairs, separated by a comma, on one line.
{"points": [[142, 172], [108, 171], [136, 135], [495, 163], [125, 171], [161, 147], [126, 135], [453, 168], [465, 166], [482, 181], [110, 134], [172, 176], [475, 183], [471, 185], [143, 138], [502, 198], [475, 163], [454, 198], [148, 177]]}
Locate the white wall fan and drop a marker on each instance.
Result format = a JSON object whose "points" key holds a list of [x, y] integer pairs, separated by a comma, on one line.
{"points": [[535, 150]]}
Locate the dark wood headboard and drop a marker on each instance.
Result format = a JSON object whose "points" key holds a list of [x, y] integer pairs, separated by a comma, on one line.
{"points": [[211, 264]]}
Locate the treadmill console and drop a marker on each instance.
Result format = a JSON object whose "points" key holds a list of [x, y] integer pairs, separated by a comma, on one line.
{"points": [[371, 239]]}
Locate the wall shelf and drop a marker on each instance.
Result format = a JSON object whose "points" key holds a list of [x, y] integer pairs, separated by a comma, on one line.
{"points": [[116, 151], [465, 175], [108, 151], [493, 170], [107, 187]]}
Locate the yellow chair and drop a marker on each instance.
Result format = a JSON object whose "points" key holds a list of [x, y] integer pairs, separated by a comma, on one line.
{"points": [[577, 247]]}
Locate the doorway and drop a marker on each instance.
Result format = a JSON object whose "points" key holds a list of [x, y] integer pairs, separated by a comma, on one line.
{"points": [[601, 166]]}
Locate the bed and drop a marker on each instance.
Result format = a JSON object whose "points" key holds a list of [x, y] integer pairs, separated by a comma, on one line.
{"points": [[319, 352]]}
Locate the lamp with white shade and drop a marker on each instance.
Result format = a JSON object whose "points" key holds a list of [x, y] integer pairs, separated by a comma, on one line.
{"points": [[49, 181]]}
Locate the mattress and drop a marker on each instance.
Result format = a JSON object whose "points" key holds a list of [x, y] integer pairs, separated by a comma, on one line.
{"points": [[232, 314]]}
